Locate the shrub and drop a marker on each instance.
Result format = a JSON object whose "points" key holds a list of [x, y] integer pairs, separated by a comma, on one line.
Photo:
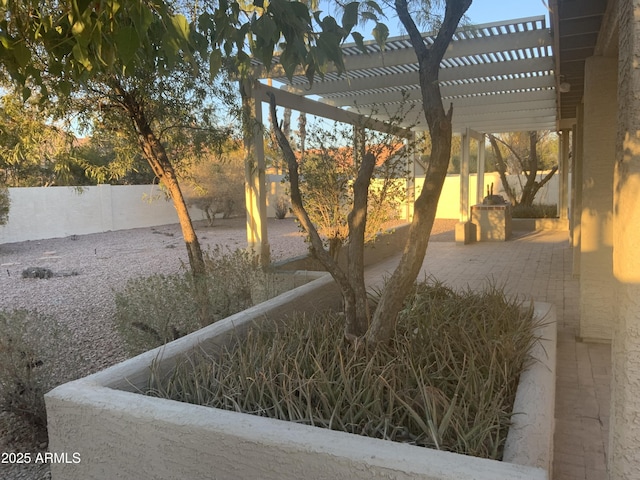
{"points": [[153, 310], [35, 356], [534, 211], [281, 208], [5, 202], [447, 380]]}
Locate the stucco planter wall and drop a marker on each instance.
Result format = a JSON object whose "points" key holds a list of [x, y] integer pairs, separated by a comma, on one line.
{"points": [[120, 434], [493, 222]]}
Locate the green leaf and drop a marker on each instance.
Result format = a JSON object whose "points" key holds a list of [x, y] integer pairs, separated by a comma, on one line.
{"points": [[300, 11], [369, 16], [329, 45], [289, 62], [26, 93], [359, 39], [350, 16], [381, 33], [266, 28], [127, 41], [215, 63], [181, 26], [80, 55], [375, 7], [142, 19], [21, 54]]}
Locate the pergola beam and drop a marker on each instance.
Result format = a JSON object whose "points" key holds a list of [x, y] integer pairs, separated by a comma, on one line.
{"points": [[302, 104]]}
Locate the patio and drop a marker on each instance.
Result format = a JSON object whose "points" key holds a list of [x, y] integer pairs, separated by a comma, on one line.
{"points": [[538, 265]]}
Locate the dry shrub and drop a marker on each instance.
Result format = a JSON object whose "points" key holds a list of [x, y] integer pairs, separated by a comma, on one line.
{"points": [[447, 381]]}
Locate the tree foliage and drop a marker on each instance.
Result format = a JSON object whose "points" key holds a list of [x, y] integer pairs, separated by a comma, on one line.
{"points": [[524, 154], [329, 167], [33, 152], [215, 183]]}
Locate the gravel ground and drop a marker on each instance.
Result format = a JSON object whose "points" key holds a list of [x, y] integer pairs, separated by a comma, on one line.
{"points": [[88, 268]]}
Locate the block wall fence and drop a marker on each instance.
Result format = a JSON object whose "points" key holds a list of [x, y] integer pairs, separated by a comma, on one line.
{"points": [[38, 213]]}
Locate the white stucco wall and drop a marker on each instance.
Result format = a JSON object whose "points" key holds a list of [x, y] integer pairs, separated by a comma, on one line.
{"points": [[38, 213], [449, 204], [596, 227], [624, 445], [123, 435]]}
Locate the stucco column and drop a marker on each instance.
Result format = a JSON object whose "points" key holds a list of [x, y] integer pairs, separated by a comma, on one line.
{"points": [[464, 177], [624, 444], [255, 181], [480, 169], [563, 174], [596, 228], [576, 189], [465, 230]]}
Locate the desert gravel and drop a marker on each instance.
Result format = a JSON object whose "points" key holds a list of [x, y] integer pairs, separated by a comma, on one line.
{"points": [[88, 269]]}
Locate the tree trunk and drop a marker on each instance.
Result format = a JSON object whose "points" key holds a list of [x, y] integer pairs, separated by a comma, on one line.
{"points": [[357, 219], [429, 58], [301, 214], [531, 172], [502, 170], [156, 155]]}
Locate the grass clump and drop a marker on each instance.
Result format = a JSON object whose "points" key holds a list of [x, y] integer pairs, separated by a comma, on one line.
{"points": [[534, 211], [153, 310], [34, 358], [447, 381]]}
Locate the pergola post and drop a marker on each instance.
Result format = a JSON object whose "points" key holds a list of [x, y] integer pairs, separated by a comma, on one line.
{"points": [[464, 176], [255, 188], [411, 179], [481, 167], [465, 230]]}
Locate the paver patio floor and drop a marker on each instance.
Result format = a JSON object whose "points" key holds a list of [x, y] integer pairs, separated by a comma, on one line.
{"points": [[538, 265]]}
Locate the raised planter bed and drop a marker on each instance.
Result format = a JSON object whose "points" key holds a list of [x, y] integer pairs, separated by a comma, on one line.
{"points": [[121, 434], [537, 224]]}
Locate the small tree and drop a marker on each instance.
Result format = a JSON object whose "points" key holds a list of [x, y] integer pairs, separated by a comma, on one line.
{"points": [[380, 326], [524, 160], [329, 168], [215, 182], [129, 65]]}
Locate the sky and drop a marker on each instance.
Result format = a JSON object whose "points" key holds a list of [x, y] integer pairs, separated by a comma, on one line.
{"points": [[486, 11]]}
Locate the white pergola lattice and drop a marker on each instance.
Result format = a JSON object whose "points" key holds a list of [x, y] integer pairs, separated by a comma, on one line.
{"points": [[498, 76]]}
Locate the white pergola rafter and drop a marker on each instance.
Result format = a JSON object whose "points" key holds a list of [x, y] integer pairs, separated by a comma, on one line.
{"points": [[498, 76]]}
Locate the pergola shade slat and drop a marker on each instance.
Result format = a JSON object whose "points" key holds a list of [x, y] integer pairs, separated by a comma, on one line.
{"points": [[499, 77]]}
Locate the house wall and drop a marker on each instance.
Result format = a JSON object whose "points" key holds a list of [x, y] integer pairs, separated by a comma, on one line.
{"points": [[449, 204], [624, 445], [596, 228], [38, 213]]}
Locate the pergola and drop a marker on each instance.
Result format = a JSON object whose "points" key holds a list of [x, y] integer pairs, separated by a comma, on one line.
{"points": [[499, 77]]}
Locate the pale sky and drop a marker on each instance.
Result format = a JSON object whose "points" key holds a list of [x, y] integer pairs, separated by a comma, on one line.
{"points": [[486, 11], [480, 11]]}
